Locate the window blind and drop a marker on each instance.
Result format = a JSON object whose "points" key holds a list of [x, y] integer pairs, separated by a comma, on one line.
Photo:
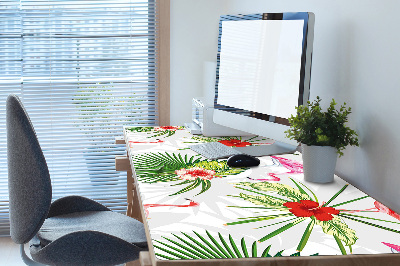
{"points": [[83, 69]]}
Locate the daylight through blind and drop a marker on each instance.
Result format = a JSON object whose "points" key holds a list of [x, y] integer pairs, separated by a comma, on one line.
{"points": [[82, 69]]}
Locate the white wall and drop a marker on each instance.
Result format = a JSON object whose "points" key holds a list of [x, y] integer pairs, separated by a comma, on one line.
{"points": [[356, 60], [194, 41]]}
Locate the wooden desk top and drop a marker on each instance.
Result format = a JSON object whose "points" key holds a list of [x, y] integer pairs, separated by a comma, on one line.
{"points": [[198, 208]]}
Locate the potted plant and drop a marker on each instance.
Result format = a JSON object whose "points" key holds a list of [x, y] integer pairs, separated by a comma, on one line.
{"points": [[323, 135]]}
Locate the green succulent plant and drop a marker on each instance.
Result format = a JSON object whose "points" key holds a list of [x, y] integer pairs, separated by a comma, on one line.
{"points": [[312, 126]]}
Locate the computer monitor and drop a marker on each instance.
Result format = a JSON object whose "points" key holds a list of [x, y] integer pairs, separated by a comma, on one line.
{"points": [[263, 73]]}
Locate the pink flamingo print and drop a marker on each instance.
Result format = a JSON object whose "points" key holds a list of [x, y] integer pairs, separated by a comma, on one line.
{"points": [[191, 204], [272, 175], [132, 142], [379, 207], [392, 246], [384, 209], [294, 167]]}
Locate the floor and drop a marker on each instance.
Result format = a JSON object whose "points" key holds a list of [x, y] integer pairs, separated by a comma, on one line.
{"points": [[9, 253]]}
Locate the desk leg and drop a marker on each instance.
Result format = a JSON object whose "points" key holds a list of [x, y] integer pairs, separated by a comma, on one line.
{"points": [[129, 192], [133, 263], [122, 164], [134, 212], [144, 260], [132, 197]]}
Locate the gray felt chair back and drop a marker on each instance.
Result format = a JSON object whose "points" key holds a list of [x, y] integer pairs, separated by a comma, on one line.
{"points": [[28, 176]]}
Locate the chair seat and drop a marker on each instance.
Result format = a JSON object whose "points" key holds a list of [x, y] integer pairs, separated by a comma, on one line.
{"points": [[108, 222]]}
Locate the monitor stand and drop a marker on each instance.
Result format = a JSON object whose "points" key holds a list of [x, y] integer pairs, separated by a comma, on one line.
{"points": [[263, 150]]}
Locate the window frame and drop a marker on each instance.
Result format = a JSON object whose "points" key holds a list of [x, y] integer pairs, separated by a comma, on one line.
{"points": [[163, 15]]}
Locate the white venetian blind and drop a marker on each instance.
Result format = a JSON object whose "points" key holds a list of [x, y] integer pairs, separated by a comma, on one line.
{"points": [[82, 69]]}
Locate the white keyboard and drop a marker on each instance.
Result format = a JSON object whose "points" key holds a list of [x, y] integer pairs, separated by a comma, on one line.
{"points": [[214, 150]]}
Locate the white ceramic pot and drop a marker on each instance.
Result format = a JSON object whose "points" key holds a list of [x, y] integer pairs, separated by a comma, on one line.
{"points": [[319, 163]]}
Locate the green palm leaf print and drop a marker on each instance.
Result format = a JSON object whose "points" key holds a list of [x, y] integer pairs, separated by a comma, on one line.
{"points": [[185, 246], [160, 167], [281, 189], [267, 201], [139, 129], [339, 229]]}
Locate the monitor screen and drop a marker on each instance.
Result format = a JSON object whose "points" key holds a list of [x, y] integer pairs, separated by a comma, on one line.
{"points": [[263, 71], [260, 63]]}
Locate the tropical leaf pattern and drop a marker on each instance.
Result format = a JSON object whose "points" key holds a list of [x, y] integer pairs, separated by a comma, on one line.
{"points": [[281, 189], [329, 219], [163, 167], [156, 131], [296, 206], [232, 141], [185, 246], [220, 167], [267, 201], [338, 229], [160, 167]]}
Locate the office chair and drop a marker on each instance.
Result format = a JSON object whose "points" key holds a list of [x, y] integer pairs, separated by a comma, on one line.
{"points": [[70, 231]]}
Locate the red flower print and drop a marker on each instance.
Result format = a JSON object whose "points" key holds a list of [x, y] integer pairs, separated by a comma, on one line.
{"points": [[234, 143], [308, 208], [164, 128], [194, 173]]}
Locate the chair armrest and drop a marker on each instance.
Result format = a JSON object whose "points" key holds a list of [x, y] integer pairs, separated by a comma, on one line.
{"points": [[72, 204]]}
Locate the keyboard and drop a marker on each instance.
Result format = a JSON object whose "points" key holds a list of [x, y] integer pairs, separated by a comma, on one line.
{"points": [[214, 150]]}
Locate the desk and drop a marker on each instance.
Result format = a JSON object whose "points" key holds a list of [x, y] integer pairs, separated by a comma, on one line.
{"points": [[199, 211]]}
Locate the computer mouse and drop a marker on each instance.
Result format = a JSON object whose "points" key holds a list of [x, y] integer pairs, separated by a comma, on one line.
{"points": [[242, 160]]}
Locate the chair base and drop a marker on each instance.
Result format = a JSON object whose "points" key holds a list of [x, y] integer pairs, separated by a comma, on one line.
{"points": [[26, 259]]}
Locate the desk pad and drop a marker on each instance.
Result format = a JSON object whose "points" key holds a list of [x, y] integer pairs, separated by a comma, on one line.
{"points": [[198, 208]]}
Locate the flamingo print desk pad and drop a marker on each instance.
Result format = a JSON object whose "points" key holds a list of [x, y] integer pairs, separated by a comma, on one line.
{"points": [[202, 209]]}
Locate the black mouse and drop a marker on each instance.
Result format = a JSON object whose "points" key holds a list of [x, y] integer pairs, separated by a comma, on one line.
{"points": [[242, 160]]}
